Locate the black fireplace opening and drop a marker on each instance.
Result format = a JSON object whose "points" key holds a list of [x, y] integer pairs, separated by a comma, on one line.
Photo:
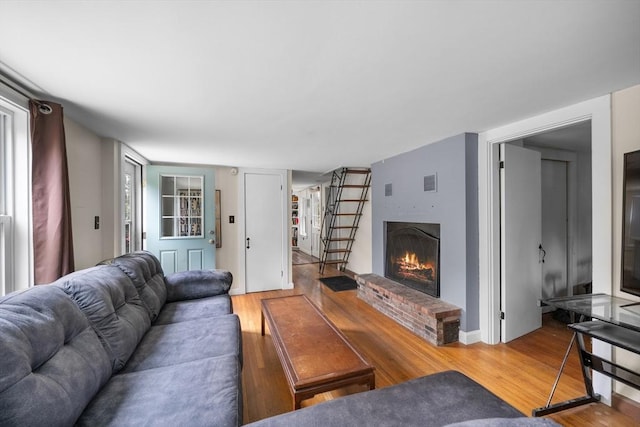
{"points": [[412, 255]]}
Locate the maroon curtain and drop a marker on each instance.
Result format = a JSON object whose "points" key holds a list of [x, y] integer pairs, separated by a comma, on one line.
{"points": [[52, 238]]}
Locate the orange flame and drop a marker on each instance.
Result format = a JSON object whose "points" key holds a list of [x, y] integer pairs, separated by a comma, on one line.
{"points": [[410, 261]]}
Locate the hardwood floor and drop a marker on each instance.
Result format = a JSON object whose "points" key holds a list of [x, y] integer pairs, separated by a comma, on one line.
{"points": [[520, 372]]}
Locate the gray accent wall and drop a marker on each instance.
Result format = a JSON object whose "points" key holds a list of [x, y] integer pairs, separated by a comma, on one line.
{"points": [[454, 205]]}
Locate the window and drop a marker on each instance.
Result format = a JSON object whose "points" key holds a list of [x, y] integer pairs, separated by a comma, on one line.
{"points": [[15, 195], [5, 218], [131, 194], [129, 198], [181, 206]]}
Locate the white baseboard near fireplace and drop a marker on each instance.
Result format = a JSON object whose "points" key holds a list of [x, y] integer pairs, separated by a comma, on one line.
{"points": [[467, 338]]}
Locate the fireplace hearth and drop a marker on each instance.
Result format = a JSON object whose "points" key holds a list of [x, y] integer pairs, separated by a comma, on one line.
{"points": [[412, 255]]}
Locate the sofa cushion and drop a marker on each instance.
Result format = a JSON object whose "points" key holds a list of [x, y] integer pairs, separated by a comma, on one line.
{"points": [[111, 303], [181, 311], [172, 344], [434, 400], [51, 361], [205, 392], [145, 271], [507, 422], [193, 284]]}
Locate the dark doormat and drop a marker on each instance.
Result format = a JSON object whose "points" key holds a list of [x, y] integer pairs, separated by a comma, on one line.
{"points": [[339, 283]]}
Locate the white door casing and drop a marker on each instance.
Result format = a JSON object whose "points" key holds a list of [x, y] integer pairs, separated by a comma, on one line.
{"points": [[521, 223], [598, 110]]}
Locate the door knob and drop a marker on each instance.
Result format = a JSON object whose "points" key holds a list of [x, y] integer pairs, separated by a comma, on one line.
{"points": [[212, 241]]}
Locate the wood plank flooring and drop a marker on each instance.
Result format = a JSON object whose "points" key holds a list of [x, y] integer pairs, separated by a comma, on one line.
{"points": [[520, 372]]}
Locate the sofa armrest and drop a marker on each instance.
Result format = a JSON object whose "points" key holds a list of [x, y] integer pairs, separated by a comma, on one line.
{"points": [[194, 284]]}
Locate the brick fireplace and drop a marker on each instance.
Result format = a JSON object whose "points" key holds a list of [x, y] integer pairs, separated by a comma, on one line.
{"points": [[409, 293], [431, 318]]}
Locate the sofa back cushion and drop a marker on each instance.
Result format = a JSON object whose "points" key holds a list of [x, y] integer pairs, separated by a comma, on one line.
{"points": [[114, 309], [52, 362], [145, 271]]}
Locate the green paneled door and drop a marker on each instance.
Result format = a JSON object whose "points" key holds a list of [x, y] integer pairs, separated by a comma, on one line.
{"points": [[180, 216]]}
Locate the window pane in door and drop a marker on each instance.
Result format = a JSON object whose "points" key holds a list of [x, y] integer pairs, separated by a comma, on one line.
{"points": [[181, 206]]}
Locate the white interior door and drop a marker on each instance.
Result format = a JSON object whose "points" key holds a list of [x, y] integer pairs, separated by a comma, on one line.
{"points": [[554, 228], [264, 257], [181, 217], [521, 271], [316, 218]]}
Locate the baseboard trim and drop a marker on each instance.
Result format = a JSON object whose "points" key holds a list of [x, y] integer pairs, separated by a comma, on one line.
{"points": [[623, 404], [349, 273], [467, 338]]}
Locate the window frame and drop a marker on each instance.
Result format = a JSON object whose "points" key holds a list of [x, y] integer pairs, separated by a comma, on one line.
{"points": [[16, 248], [127, 155]]}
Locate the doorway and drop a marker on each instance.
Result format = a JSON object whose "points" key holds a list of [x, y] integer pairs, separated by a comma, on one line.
{"points": [[561, 162], [598, 110], [567, 208], [180, 217], [265, 239]]}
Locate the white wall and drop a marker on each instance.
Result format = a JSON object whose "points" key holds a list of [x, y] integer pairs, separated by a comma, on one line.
{"points": [[227, 256], [625, 138], [110, 156], [360, 259], [85, 185]]}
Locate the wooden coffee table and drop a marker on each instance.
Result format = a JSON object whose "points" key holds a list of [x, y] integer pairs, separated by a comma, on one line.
{"points": [[315, 355]]}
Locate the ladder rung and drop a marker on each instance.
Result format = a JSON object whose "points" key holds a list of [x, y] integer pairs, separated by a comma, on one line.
{"points": [[335, 261], [339, 239], [336, 251], [354, 186], [344, 227], [353, 200], [362, 171], [347, 214]]}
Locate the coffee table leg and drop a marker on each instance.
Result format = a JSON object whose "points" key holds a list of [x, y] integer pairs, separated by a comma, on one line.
{"points": [[296, 402]]}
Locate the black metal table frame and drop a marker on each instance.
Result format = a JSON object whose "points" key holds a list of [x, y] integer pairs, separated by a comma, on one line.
{"points": [[608, 328]]}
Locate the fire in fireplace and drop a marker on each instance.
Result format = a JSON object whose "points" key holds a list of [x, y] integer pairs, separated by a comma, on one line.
{"points": [[412, 255]]}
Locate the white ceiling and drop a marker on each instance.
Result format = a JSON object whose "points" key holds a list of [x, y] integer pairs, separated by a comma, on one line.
{"points": [[313, 85], [576, 137]]}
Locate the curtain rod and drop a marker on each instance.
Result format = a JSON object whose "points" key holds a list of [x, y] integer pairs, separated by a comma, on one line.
{"points": [[15, 86], [21, 90]]}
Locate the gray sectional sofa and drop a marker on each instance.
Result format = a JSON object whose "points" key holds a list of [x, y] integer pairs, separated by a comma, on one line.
{"points": [[447, 398], [120, 344]]}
